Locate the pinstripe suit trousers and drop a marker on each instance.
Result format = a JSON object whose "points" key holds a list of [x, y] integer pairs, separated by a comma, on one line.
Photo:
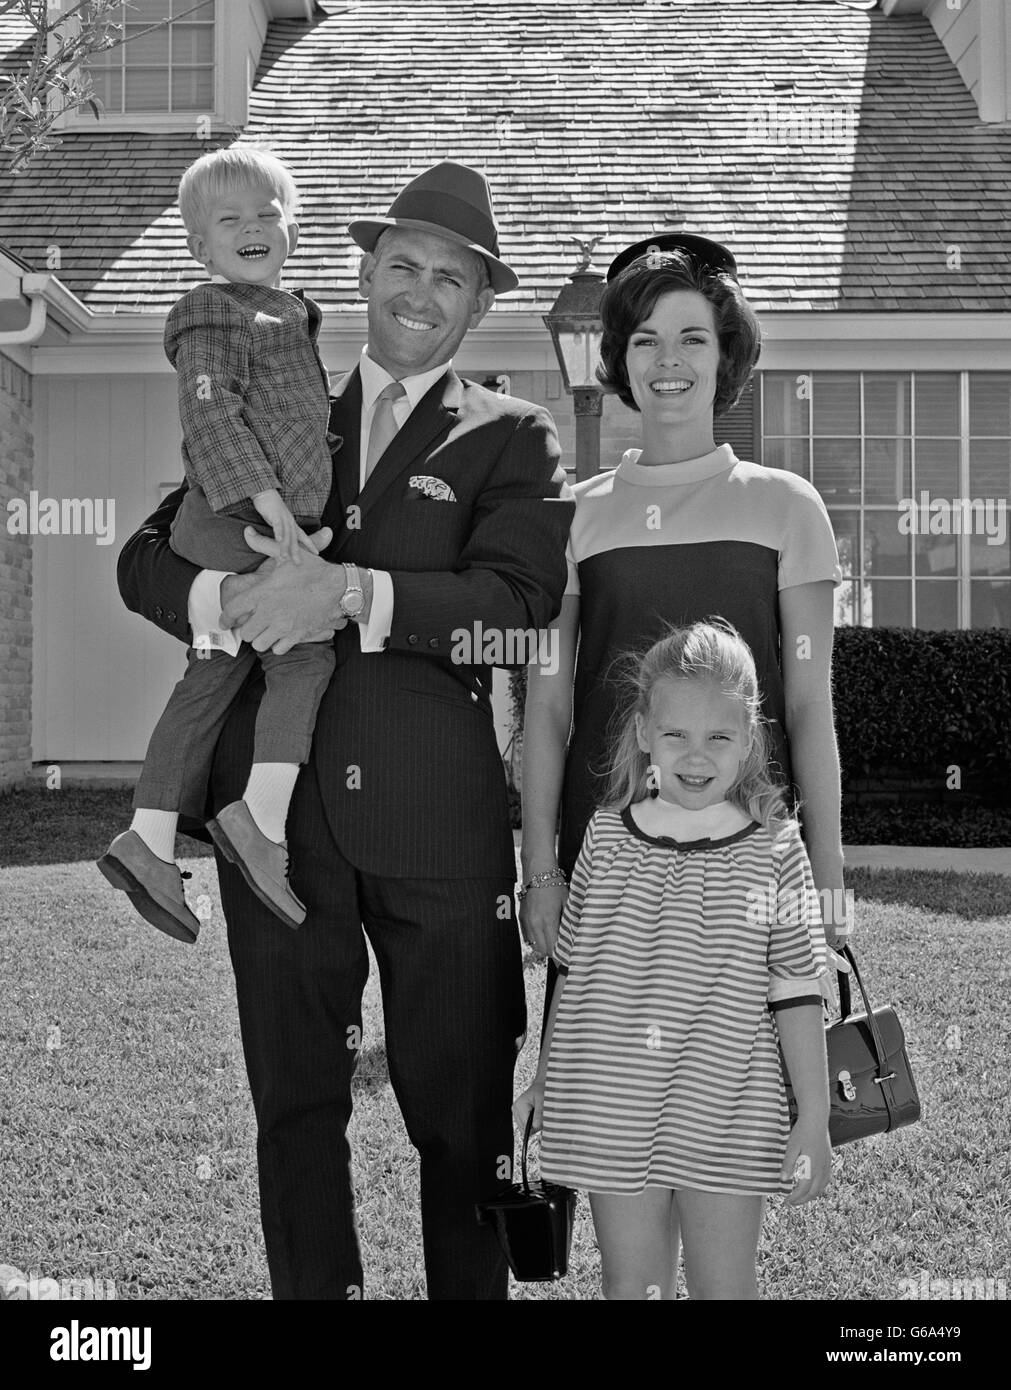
{"points": [[453, 1000]]}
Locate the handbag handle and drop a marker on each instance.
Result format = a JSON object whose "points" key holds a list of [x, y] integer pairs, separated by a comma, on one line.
{"points": [[846, 1008], [845, 997], [523, 1157]]}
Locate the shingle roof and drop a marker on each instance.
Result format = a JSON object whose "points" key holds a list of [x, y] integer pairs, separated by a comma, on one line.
{"points": [[589, 117]]}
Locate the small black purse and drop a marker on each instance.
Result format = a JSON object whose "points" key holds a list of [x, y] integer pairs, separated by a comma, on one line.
{"points": [[533, 1223], [871, 1086]]}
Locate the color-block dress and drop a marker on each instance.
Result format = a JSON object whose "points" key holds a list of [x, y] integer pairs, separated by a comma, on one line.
{"points": [[678, 543], [664, 1068]]}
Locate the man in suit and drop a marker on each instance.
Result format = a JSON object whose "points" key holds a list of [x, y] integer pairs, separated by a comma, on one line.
{"points": [[449, 508]]}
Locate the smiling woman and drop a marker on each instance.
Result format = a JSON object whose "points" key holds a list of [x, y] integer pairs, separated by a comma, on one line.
{"points": [[679, 532]]}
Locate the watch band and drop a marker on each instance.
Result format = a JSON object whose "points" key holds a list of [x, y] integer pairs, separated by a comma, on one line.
{"points": [[352, 600]]}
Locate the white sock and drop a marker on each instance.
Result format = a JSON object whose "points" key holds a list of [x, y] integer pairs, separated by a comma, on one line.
{"points": [[158, 831], [268, 796]]}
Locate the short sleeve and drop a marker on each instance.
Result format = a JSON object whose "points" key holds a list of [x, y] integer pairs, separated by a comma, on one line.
{"points": [[572, 580], [808, 551], [796, 936], [574, 902]]}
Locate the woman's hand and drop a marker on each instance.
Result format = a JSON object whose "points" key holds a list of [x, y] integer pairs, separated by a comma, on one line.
{"points": [[808, 1160], [540, 915], [531, 1099]]}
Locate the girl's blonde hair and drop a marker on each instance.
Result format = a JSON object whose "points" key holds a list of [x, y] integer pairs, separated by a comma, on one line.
{"points": [[222, 171], [714, 653]]}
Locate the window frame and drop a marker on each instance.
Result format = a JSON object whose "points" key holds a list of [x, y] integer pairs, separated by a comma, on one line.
{"points": [[962, 580], [231, 77]]}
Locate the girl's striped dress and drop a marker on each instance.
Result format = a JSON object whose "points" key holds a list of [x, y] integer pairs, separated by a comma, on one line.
{"points": [[664, 1069]]}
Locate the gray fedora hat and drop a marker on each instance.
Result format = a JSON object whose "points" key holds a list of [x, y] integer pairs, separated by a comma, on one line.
{"points": [[451, 201]]}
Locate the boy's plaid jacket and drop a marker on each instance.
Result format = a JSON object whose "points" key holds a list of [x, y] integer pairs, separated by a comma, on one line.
{"points": [[253, 395]]}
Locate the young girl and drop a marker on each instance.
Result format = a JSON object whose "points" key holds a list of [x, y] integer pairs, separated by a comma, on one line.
{"points": [[691, 920]]}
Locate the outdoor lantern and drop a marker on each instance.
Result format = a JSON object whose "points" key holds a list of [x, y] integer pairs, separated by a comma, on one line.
{"points": [[574, 324]]}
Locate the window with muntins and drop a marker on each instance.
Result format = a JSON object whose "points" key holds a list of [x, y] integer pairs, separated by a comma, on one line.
{"points": [[915, 470], [165, 62]]}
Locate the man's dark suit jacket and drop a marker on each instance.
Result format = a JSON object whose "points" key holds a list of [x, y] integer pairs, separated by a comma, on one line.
{"points": [[405, 748]]}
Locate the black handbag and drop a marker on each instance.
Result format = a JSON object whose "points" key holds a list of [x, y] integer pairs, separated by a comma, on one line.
{"points": [[871, 1087], [533, 1223]]}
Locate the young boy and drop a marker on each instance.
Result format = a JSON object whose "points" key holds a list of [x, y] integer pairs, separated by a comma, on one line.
{"points": [[254, 404]]}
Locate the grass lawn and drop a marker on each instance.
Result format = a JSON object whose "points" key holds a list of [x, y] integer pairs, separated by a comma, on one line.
{"points": [[128, 1146]]}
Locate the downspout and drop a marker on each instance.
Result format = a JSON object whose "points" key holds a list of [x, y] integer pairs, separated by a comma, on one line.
{"points": [[34, 287]]}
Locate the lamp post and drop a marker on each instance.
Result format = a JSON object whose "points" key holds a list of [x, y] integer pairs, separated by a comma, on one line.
{"points": [[574, 324]]}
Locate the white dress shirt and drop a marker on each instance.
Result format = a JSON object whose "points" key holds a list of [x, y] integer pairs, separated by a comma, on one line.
{"points": [[204, 605]]}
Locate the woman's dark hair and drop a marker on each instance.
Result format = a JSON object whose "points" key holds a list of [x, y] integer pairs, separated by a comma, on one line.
{"points": [[630, 299]]}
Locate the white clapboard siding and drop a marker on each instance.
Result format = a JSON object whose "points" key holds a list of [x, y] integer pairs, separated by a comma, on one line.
{"points": [[101, 674], [958, 29]]}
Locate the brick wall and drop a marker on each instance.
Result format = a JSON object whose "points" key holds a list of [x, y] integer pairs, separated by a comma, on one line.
{"points": [[15, 577]]}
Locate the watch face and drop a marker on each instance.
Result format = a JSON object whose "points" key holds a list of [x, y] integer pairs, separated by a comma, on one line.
{"points": [[351, 604]]}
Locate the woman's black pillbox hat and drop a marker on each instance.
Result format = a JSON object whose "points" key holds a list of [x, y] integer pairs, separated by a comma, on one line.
{"points": [[709, 253]]}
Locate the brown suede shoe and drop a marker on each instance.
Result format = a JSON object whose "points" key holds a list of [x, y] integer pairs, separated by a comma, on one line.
{"points": [[262, 862], [154, 886]]}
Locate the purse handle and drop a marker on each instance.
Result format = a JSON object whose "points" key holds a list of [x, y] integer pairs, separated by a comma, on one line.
{"points": [[845, 997], [523, 1157], [846, 1008]]}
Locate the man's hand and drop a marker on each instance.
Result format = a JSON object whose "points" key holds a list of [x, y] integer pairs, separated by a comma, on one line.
{"points": [[231, 587], [280, 604]]}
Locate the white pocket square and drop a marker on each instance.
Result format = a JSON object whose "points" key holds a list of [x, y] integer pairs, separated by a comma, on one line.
{"points": [[432, 487]]}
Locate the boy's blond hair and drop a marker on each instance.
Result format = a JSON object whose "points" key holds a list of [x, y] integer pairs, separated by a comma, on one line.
{"points": [[222, 171]]}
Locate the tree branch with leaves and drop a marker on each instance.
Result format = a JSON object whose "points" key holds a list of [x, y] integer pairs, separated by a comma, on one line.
{"points": [[54, 77]]}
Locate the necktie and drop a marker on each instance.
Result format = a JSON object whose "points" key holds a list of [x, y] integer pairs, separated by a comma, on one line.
{"points": [[384, 425]]}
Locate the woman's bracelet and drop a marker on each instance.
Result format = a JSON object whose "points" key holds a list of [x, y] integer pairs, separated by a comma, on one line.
{"points": [[542, 881]]}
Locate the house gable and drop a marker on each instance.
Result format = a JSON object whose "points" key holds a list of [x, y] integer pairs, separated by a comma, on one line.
{"points": [[977, 37], [238, 27]]}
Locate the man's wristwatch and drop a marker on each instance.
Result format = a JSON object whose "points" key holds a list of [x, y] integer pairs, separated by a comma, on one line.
{"points": [[352, 600]]}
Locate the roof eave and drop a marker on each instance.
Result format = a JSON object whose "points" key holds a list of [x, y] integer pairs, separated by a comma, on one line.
{"points": [[890, 7], [290, 9], [63, 314]]}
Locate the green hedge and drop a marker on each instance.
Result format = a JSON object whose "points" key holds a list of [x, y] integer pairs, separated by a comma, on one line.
{"points": [[911, 704], [919, 823], [919, 702]]}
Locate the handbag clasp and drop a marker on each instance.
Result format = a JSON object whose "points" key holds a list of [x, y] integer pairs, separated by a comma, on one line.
{"points": [[846, 1086]]}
